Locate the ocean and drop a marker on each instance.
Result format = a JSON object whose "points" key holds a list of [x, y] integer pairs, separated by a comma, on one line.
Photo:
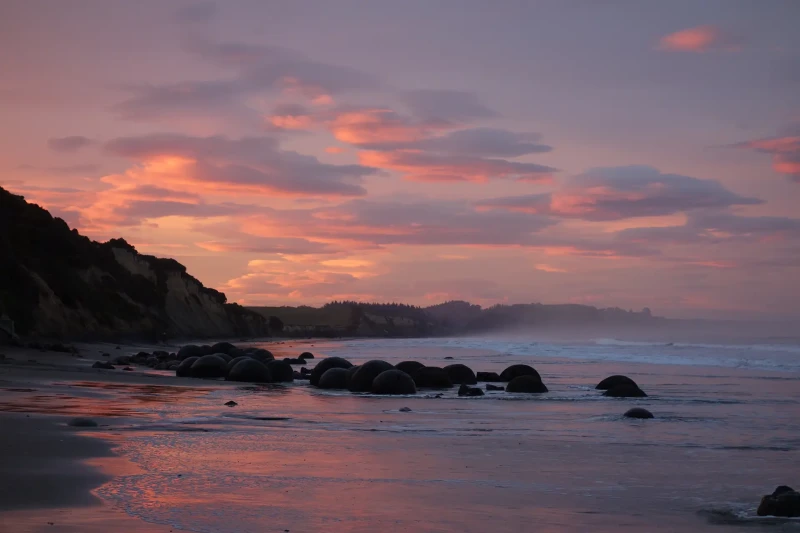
{"points": [[293, 458]]}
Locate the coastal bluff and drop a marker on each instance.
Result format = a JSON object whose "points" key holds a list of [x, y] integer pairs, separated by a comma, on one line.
{"points": [[57, 283]]}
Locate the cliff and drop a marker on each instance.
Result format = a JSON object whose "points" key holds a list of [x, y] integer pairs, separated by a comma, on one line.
{"points": [[55, 282]]}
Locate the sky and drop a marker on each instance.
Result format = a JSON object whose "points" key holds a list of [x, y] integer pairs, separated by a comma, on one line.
{"points": [[630, 153]]}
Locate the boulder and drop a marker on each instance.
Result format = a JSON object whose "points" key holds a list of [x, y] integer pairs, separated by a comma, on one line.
{"points": [[362, 379], [334, 378], [173, 365], [325, 364], [249, 370], [294, 361], [350, 373], [191, 350], [236, 352], [460, 374], [515, 371], [638, 412], [231, 403], [281, 371], [466, 390], [492, 377], [784, 501], [306, 355], [225, 356], [625, 391], [161, 355], [526, 384], [163, 365], [431, 377], [121, 360], [151, 362], [392, 381], [235, 360], [223, 347], [209, 366], [260, 354], [184, 368], [128, 369], [409, 367], [105, 365], [489, 386], [82, 423], [612, 381]]}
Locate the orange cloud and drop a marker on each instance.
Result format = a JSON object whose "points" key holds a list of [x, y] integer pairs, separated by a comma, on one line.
{"points": [[698, 39], [376, 125], [335, 150], [785, 152], [549, 268]]}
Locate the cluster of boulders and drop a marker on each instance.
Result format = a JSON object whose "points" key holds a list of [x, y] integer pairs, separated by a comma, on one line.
{"points": [[251, 365]]}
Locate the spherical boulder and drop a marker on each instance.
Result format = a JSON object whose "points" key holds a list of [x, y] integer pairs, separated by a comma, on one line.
{"points": [[223, 347], [260, 354], [625, 391], [409, 367], [638, 412], [489, 377], [190, 350], [466, 390], [225, 356], [294, 361], [431, 377], [350, 373], [612, 381], [306, 355], [281, 371], [362, 379], [526, 384], [334, 378], [393, 381], [460, 374], [105, 365], [249, 370], [784, 501], [184, 368], [519, 370], [325, 364], [209, 366], [235, 360]]}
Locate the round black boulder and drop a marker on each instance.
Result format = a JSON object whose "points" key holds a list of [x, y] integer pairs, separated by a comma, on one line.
{"points": [[225, 356], [190, 350], [325, 364], [334, 378], [362, 379], [393, 381], [260, 354], [466, 390], [294, 361], [281, 371], [638, 412], [232, 362], [784, 501], [431, 377], [223, 347], [526, 384], [612, 381], [249, 370], [306, 355], [515, 371], [491, 377], [350, 373], [409, 367], [460, 374], [209, 366], [184, 369], [625, 391]]}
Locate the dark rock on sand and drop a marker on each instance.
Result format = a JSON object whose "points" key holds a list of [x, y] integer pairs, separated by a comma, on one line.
{"points": [[82, 423], [515, 371], [392, 381], [223, 347], [225, 356], [260, 354], [103, 364], [448, 357], [625, 391], [231, 404], [306, 355], [489, 386], [249, 370], [493, 377], [361, 381], [184, 368], [163, 365], [334, 378], [527, 384], [209, 366], [466, 390], [294, 361], [638, 412], [784, 501], [235, 360], [128, 369], [612, 381], [350, 373], [122, 360], [161, 355], [431, 377], [281, 371], [173, 365], [460, 374], [405, 409], [325, 364], [191, 350], [409, 367], [151, 361]]}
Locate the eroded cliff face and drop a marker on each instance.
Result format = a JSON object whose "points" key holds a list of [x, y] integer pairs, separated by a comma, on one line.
{"points": [[56, 283]]}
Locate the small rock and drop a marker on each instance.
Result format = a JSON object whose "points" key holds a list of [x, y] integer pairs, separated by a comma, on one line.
{"points": [[405, 409], [231, 403], [106, 354], [82, 423], [117, 348], [638, 412], [105, 365], [448, 357], [466, 390], [128, 369], [489, 386]]}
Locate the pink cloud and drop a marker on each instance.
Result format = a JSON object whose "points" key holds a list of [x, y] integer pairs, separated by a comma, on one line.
{"points": [[785, 152], [699, 39]]}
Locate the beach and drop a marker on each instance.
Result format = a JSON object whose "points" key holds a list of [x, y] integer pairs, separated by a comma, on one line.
{"points": [[170, 455]]}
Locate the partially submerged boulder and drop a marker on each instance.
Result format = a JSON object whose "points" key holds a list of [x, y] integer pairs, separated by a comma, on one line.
{"points": [[82, 423], [334, 378], [393, 381], [209, 366], [491, 377], [515, 371], [431, 377], [625, 391], [526, 384], [460, 374], [613, 381], [306, 355], [489, 386], [638, 412], [784, 501], [191, 350], [281, 371], [325, 364], [105, 365], [249, 370], [361, 380], [409, 367], [466, 390]]}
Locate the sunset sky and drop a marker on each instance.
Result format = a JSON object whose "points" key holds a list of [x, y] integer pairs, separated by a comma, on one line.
{"points": [[612, 153]]}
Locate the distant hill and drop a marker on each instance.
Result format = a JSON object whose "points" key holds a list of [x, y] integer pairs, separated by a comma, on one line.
{"points": [[56, 283]]}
